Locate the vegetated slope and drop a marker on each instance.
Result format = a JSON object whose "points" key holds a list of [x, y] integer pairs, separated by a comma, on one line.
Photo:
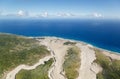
{"points": [[41, 72], [111, 67], [16, 50], [69, 43], [72, 63]]}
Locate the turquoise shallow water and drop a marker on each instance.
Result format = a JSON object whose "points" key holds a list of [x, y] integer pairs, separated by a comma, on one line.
{"points": [[101, 33]]}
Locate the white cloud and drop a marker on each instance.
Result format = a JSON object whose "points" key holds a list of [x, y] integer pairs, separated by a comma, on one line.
{"points": [[45, 14], [42, 15], [69, 14], [64, 14], [94, 15], [60, 14], [18, 14], [22, 13], [97, 15], [0, 12]]}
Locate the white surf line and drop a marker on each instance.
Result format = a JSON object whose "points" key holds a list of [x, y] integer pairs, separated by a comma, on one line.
{"points": [[12, 74], [87, 58]]}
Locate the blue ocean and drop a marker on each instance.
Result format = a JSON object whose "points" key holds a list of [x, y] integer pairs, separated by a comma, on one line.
{"points": [[104, 34]]}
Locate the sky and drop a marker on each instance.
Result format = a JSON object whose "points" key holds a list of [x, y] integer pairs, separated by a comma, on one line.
{"points": [[60, 8]]}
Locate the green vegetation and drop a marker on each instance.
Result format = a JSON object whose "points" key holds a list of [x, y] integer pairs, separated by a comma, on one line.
{"points": [[111, 68], [72, 63], [16, 50], [41, 72], [69, 43]]}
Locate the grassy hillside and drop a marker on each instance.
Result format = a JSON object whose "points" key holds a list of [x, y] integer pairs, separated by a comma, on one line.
{"points": [[41, 72], [111, 68], [72, 63], [16, 50], [69, 43]]}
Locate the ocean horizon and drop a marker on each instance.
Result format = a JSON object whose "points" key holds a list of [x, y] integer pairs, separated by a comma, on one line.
{"points": [[103, 34]]}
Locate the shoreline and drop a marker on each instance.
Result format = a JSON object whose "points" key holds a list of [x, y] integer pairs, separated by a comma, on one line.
{"points": [[78, 41], [59, 50], [70, 39]]}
